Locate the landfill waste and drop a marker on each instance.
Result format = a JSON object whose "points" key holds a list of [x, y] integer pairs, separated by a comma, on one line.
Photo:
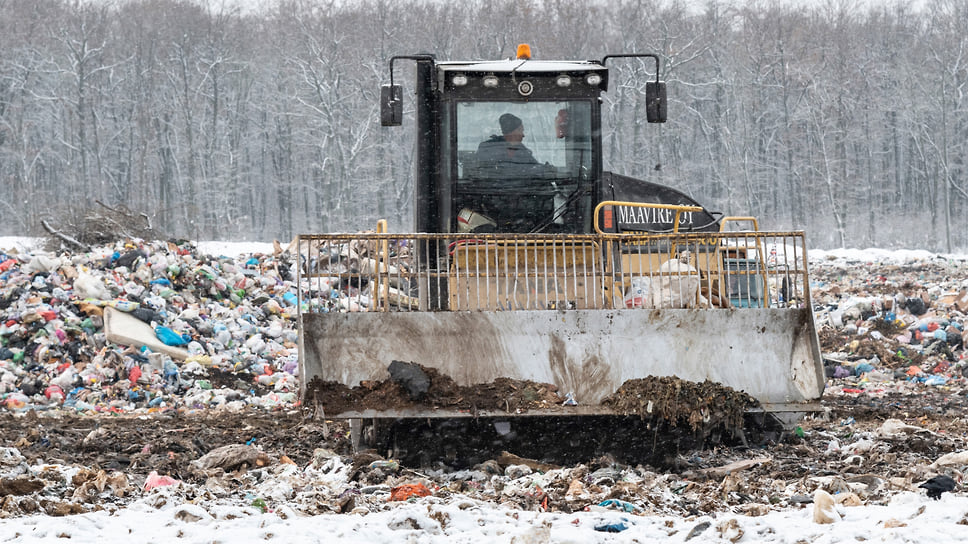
{"points": [[613, 527], [146, 327], [90, 424], [407, 491], [155, 480], [411, 377], [824, 508]]}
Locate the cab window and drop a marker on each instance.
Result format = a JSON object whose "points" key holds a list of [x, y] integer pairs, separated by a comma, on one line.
{"points": [[522, 166]]}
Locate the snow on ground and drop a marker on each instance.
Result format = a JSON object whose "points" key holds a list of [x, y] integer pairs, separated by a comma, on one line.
{"points": [[872, 255], [909, 517], [876, 255], [229, 249]]}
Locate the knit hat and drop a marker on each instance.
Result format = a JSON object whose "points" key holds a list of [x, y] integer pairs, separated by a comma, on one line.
{"points": [[509, 123]]}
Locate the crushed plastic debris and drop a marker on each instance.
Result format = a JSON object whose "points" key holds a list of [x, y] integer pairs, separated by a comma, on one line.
{"points": [[407, 491], [905, 325], [190, 328]]}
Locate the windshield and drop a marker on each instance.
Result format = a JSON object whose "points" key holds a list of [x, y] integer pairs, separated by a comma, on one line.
{"points": [[524, 166], [516, 140]]}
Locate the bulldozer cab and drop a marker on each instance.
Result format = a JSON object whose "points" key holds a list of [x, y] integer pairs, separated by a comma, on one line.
{"points": [[517, 143], [543, 183]]}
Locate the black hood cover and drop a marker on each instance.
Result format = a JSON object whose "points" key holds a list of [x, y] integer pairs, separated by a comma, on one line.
{"points": [[629, 218]]}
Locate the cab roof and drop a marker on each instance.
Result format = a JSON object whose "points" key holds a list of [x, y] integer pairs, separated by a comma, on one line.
{"points": [[522, 66]]}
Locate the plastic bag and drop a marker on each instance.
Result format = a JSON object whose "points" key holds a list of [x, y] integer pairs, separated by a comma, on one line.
{"points": [[639, 295]]}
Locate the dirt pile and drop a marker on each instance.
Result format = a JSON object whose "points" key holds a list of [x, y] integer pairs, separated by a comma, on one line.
{"points": [[442, 392], [698, 405]]}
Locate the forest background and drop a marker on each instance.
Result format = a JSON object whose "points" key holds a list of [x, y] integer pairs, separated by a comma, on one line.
{"points": [[847, 121]]}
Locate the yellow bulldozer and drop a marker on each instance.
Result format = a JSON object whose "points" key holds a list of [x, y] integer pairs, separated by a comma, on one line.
{"points": [[527, 262]]}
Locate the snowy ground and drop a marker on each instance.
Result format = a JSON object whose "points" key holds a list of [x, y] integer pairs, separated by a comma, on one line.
{"points": [[22, 244], [869, 255], [909, 518]]}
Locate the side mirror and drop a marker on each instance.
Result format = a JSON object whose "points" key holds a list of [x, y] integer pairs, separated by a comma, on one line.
{"points": [[655, 101], [391, 105]]}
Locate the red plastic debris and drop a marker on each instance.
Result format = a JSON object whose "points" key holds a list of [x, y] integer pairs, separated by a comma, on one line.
{"points": [[134, 373], [55, 391], [404, 492], [155, 480]]}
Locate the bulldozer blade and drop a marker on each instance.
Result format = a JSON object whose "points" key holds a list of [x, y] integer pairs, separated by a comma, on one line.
{"points": [[770, 353]]}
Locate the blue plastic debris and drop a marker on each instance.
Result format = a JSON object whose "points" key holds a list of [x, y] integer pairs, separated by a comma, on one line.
{"points": [[625, 506], [171, 373], [170, 337], [613, 527]]}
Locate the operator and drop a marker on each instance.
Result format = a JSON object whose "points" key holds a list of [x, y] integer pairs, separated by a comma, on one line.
{"points": [[504, 156]]}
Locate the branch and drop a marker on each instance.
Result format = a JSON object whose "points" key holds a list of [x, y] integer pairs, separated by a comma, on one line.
{"points": [[111, 209], [64, 237], [125, 214]]}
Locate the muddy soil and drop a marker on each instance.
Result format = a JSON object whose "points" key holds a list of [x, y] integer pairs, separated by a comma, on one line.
{"points": [[442, 393], [168, 443], [698, 405], [165, 443], [655, 418]]}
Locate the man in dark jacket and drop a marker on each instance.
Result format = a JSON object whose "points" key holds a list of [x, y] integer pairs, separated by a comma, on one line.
{"points": [[504, 156]]}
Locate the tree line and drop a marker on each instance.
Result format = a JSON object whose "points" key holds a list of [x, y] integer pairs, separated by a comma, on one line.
{"points": [[848, 122]]}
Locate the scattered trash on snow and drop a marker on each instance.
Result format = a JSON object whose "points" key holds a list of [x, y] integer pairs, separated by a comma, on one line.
{"points": [[214, 432]]}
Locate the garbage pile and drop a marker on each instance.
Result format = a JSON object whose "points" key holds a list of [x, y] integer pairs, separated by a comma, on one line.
{"points": [[151, 326], [146, 326], [897, 325]]}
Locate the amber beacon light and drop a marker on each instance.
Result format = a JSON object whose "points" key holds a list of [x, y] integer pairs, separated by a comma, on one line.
{"points": [[524, 51]]}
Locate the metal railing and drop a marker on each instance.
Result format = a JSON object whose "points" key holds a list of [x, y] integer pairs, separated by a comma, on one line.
{"points": [[494, 272]]}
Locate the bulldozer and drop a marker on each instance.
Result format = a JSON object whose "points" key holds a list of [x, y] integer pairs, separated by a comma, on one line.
{"points": [[528, 263]]}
